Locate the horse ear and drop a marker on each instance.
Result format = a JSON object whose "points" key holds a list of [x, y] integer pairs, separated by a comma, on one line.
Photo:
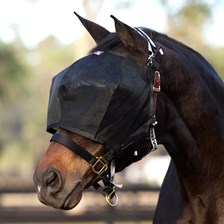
{"points": [[131, 39], [96, 31]]}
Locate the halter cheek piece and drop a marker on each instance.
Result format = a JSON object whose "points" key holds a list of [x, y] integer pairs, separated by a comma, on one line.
{"points": [[104, 166]]}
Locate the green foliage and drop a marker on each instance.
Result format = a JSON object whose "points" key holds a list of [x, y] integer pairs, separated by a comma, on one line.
{"points": [[188, 22], [13, 75], [187, 25], [194, 14], [12, 70], [25, 78], [215, 56]]}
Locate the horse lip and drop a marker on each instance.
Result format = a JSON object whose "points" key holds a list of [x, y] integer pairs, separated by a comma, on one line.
{"points": [[42, 200], [68, 199]]}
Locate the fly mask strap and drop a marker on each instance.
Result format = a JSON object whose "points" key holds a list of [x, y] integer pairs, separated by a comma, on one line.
{"points": [[154, 52]]}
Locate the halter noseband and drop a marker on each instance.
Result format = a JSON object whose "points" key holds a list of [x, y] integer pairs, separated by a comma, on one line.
{"points": [[100, 166], [104, 166]]}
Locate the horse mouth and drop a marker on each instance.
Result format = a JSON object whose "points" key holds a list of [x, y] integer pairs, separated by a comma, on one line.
{"points": [[73, 198]]}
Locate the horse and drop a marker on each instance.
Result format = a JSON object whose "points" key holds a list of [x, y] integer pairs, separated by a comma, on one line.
{"points": [[107, 110]]}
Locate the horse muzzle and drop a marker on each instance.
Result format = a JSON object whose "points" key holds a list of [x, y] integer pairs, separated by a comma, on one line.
{"points": [[52, 190]]}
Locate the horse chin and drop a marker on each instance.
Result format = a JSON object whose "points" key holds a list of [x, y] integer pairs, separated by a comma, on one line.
{"points": [[71, 201], [73, 198]]}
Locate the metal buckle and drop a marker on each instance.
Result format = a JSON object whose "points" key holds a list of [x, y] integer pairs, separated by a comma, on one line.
{"points": [[156, 89], [112, 198], [101, 162], [156, 84]]}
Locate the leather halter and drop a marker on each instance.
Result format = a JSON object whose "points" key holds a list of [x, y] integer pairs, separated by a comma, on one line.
{"points": [[100, 166], [104, 166]]}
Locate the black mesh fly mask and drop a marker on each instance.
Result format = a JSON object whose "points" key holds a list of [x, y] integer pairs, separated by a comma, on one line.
{"points": [[108, 99]]}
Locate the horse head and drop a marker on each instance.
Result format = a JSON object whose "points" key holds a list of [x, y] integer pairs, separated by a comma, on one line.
{"points": [[100, 116]]}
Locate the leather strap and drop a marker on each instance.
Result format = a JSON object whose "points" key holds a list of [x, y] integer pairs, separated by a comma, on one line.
{"points": [[77, 149], [156, 89], [98, 164], [103, 161]]}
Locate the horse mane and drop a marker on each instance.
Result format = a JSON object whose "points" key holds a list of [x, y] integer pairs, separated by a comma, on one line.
{"points": [[204, 68]]}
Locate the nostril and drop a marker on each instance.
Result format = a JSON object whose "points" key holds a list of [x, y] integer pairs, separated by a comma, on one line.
{"points": [[52, 180]]}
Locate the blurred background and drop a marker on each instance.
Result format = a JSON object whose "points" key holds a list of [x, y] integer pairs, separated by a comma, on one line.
{"points": [[38, 38]]}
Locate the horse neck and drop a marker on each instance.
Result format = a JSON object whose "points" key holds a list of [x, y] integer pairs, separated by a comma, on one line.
{"points": [[193, 118], [191, 127], [174, 134]]}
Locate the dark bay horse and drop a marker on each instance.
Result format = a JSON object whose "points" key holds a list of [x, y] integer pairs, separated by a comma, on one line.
{"points": [[189, 112]]}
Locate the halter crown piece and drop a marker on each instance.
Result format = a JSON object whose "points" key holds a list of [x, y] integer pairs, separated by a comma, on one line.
{"points": [[101, 81]]}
